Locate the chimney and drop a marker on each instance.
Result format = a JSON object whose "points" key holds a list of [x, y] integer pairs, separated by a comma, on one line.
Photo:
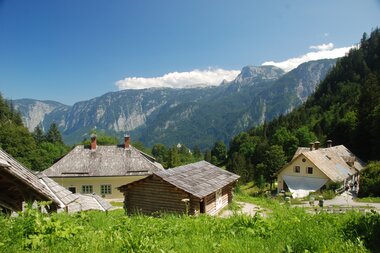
{"points": [[329, 143], [93, 141], [311, 145], [316, 145], [127, 141]]}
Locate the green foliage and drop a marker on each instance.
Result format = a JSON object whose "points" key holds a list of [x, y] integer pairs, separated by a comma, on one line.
{"points": [[219, 151], [104, 139], [363, 227], [176, 155], [207, 156], [38, 135], [345, 108], [284, 229], [370, 180], [53, 135], [160, 152], [36, 151]]}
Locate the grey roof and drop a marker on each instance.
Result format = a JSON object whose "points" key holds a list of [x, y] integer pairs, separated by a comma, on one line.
{"points": [[61, 193], [335, 162], [199, 179], [11, 166], [47, 188], [103, 161], [74, 202], [85, 202]]}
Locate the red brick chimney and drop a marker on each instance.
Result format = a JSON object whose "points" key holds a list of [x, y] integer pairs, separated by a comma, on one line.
{"points": [[93, 141], [127, 141]]}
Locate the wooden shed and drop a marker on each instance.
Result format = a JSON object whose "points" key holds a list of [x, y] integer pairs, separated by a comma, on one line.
{"points": [[196, 188], [19, 185]]}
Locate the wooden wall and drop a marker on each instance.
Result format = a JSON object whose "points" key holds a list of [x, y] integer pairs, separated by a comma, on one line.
{"points": [[211, 200], [152, 195], [155, 195]]}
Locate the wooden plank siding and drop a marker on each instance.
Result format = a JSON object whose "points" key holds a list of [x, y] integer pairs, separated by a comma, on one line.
{"points": [[155, 195], [211, 200]]}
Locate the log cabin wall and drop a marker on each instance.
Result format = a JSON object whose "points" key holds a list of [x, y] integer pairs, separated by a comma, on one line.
{"points": [[211, 200], [155, 195]]}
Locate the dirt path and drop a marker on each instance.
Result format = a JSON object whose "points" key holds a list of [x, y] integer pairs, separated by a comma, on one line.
{"points": [[246, 208]]}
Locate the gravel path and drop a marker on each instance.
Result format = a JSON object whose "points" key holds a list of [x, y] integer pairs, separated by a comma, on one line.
{"points": [[346, 199]]}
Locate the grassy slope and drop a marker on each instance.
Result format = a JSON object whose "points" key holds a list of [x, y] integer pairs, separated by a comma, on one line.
{"points": [[284, 230]]}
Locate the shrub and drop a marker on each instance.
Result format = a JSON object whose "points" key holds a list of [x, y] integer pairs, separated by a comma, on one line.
{"points": [[363, 227], [370, 180]]}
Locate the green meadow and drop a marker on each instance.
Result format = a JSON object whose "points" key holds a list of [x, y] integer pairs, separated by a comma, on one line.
{"points": [[284, 229]]}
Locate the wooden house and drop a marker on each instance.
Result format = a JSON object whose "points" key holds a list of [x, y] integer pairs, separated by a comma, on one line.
{"points": [[313, 167], [101, 169], [196, 188], [19, 185]]}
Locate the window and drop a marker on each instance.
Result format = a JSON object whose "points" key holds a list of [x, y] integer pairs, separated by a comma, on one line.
{"points": [[309, 170], [72, 189], [105, 189], [87, 189], [297, 169], [218, 199]]}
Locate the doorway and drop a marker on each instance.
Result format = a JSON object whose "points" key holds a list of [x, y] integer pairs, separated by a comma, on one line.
{"points": [[202, 206]]}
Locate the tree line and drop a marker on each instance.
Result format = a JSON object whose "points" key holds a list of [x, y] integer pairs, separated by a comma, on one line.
{"points": [[37, 150]]}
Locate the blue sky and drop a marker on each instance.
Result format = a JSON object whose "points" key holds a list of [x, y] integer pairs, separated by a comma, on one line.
{"points": [[73, 50]]}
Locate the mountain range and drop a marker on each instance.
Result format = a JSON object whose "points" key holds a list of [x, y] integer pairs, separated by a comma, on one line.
{"points": [[192, 116]]}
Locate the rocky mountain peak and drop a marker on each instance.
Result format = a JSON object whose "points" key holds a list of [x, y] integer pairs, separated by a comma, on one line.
{"points": [[259, 73], [193, 116]]}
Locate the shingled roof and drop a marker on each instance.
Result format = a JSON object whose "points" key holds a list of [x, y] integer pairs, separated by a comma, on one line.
{"points": [[335, 162], [199, 179], [104, 161], [74, 202], [18, 184]]}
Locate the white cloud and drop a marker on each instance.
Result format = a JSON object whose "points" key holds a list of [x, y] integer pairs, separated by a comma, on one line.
{"points": [[323, 47], [195, 78], [325, 51]]}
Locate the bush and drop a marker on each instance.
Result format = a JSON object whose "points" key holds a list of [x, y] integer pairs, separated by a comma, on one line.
{"points": [[365, 227], [370, 180], [333, 186]]}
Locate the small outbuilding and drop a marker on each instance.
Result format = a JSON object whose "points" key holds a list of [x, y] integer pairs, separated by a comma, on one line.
{"points": [[19, 185], [194, 188]]}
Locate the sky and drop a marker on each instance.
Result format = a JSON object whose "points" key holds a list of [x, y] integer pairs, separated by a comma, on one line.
{"points": [[73, 50]]}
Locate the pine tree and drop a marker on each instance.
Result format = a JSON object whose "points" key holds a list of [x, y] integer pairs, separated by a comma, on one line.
{"points": [[53, 135], [38, 134]]}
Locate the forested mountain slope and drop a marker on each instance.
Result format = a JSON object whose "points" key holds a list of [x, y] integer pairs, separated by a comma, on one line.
{"points": [[344, 108]]}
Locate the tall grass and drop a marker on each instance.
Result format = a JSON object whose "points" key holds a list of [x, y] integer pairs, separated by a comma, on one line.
{"points": [[284, 230]]}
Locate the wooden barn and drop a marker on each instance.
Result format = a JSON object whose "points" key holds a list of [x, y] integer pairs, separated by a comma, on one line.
{"points": [[194, 188]]}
